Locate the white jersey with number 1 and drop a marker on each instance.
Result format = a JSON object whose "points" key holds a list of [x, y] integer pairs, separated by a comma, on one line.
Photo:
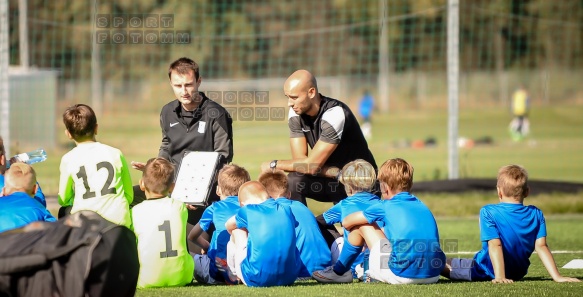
{"points": [[160, 227], [96, 177]]}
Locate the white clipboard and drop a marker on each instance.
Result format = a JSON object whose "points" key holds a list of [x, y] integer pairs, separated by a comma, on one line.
{"points": [[196, 176]]}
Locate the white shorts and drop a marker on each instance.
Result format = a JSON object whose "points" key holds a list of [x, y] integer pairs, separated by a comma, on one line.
{"points": [[235, 255], [384, 274], [336, 248]]}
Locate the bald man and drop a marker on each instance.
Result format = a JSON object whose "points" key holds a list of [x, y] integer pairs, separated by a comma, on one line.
{"points": [[333, 134], [17, 206], [262, 252]]}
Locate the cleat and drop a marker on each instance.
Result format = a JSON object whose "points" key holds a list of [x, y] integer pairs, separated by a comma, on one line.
{"points": [[223, 267], [330, 277]]}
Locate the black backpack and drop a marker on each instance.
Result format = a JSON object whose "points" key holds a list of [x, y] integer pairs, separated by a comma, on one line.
{"points": [[79, 255]]}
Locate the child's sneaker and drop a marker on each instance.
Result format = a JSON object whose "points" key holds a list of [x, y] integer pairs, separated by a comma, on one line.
{"points": [[329, 276], [367, 279], [223, 267]]}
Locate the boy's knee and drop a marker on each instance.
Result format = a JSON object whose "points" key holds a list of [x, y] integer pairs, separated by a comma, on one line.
{"points": [[355, 237]]}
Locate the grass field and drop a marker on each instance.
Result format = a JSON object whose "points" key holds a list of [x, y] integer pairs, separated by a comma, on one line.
{"points": [[554, 150], [564, 234]]}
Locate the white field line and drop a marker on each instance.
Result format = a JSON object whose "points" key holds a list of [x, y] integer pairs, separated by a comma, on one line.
{"points": [[553, 252]]}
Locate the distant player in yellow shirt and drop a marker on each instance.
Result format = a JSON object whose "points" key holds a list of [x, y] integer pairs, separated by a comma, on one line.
{"points": [[94, 176], [519, 127], [160, 227]]}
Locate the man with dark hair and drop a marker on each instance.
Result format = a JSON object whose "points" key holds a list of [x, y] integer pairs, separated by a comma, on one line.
{"points": [[192, 122]]}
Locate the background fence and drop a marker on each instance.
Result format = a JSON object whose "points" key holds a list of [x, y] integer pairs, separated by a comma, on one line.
{"points": [[107, 52], [253, 39]]}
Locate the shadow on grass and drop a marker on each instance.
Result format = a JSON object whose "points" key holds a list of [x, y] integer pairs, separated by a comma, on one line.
{"points": [[546, 278], [308, 283], [536, 279]]}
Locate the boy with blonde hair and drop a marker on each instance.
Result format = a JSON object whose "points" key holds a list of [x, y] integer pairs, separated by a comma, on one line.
{"points": [[160, 227], [406, 250], [38, 195], [17, 206], [359, 180], [314, 251], [211, 266], [94, 176], [510, 232]]}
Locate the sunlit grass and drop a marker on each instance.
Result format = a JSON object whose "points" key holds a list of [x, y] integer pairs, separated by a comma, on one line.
{"points": [[554, 151]]}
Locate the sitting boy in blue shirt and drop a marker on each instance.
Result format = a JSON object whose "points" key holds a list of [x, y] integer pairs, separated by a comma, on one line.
{"points": [[263, 240], [17, 206], [359, 180], [406, 250], [510, 232], [314, 251], [211, 267], [38, 195]]}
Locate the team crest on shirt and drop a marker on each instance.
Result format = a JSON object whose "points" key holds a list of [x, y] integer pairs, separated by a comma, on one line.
{"points": [[201, 126]]}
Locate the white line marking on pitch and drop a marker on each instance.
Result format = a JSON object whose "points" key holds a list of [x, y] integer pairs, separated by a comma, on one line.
{"points": [[554, 252]]}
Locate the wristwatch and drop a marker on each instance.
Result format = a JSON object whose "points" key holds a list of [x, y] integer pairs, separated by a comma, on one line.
{"points": [[273, 164]]}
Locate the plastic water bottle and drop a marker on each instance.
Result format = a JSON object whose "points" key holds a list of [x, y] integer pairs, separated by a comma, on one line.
{"points": [[30, 158]]}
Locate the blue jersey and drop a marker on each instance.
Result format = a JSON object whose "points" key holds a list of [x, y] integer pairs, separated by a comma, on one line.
{"points": [[412, 231], [272, 257], [217, 214], [314, 251], [18, 210], [351, 204], [38, 196], [518, 227]]}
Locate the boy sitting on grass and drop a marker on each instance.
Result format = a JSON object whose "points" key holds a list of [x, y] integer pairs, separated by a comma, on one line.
{"points": [[314, 251], [160, 227], [263, 240], [359, 180], [211, 266], [510, 231], [406, 250], [38, 195], [94, 176], [17, 207]]}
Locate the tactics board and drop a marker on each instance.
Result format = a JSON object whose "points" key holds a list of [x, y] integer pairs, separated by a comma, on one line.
{"points": [[195, 177]]}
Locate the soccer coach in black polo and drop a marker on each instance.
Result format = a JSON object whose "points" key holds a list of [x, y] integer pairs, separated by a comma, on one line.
{"points": [[330, 129]]}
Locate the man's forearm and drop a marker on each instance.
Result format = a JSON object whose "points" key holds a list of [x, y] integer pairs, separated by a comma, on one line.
{"points": [[302, 166]]}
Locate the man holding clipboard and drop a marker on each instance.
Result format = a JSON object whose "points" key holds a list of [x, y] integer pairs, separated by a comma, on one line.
{"points": [[192, 122]]}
